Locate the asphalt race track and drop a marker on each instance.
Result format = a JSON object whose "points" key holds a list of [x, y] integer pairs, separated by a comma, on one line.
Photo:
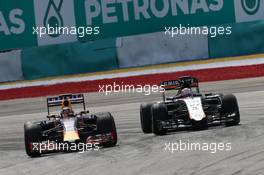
{"points": [[138, 153]]}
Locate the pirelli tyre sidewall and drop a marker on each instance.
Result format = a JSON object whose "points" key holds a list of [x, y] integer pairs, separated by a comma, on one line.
{"points": [[32, 134], [105, 125], [146, 117], [230, 106], [159, 113]]}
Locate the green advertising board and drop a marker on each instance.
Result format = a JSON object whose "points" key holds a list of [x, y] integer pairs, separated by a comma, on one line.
{"points": [[16, 21], [85, 20], [122, 18]]}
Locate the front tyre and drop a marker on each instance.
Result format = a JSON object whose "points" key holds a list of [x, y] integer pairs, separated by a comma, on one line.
{"points": [[230, 107], [146, 118], [106, 125], [32, 135]]}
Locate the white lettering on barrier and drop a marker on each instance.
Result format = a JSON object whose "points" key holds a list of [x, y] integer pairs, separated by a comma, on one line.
{"points": [[14, 19], [107, 9]]}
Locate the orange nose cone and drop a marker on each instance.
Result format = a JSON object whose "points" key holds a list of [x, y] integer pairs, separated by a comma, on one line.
{"points": [[71, 136]]}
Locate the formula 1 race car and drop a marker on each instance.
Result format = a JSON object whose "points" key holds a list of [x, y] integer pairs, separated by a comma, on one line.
{"points": [[69, 128], [188, 108]]}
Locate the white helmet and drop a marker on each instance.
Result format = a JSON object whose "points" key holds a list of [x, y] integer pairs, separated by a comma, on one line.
{"points": [[186, 92]]}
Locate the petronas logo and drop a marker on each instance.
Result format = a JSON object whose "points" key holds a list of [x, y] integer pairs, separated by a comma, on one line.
{"points": [[251, 7], [53, 18]]}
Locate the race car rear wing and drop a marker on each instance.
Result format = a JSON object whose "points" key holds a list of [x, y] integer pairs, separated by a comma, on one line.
{"points": [[171, 84], [182, 82], [58, 100]]}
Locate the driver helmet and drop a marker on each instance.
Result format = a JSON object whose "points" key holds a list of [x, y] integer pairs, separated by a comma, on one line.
{"points": [[186, 92], [66, 112]]}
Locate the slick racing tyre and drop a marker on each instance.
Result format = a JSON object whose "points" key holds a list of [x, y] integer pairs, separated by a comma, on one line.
{"points": [[159, 113], [146, 118], [32, 135], [230, 106], [106, 125]]}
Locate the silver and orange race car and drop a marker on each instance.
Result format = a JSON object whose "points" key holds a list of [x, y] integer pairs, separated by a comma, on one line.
{"points": [[187, 107], [69, 131]]}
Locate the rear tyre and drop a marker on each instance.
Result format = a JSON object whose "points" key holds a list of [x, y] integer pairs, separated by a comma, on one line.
{"points": [[146, 118], [230, 106], [32, 134], [159, 114], [105, 125]]}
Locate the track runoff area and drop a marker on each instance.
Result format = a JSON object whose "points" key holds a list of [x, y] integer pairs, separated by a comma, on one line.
{"points": [[226, 150]]}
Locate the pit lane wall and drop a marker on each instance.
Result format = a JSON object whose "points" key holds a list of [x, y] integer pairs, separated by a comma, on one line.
{"points": [[156, 48], [69, 59], [10, 66], [247, 38]]}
